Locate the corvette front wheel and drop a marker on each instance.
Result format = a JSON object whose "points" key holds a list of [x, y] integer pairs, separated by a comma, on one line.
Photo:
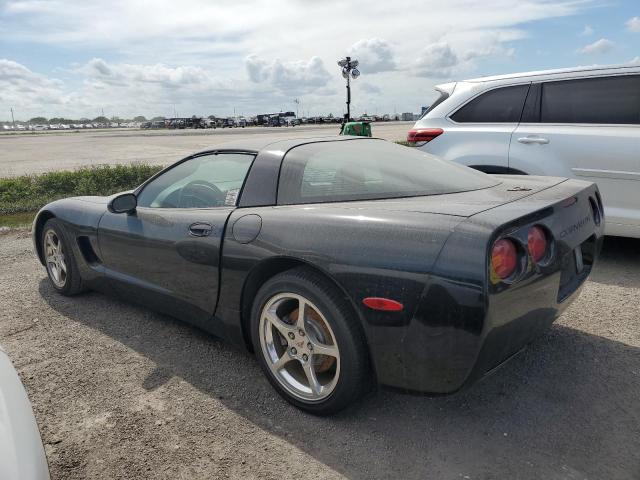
{"points": [[59, 259], [308, 342]]}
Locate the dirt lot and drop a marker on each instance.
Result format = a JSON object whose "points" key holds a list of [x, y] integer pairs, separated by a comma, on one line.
{"points": [[40, 152], [120, 392]]}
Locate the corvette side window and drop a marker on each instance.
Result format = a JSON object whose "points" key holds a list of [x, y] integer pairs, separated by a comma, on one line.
{"points": [[206, 181]]}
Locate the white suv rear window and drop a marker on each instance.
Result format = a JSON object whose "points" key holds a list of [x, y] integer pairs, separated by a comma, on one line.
{"points": [[501, 105]]}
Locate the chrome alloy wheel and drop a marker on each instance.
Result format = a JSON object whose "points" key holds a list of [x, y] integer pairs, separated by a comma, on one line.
{"points": [[299, 346], [54, 256]]}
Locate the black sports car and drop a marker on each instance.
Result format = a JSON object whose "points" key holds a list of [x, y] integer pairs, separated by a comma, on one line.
{"points": [[339, 261]]}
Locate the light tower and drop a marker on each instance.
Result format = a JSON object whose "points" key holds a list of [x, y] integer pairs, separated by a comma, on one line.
{"points": [[349, 71]]}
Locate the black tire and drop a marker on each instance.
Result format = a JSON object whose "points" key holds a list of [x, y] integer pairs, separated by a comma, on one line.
{"points": [[355, 373], [73, 282]]}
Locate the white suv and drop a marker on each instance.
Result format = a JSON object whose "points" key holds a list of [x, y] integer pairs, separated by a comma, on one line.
{"points": [[581, 122]]}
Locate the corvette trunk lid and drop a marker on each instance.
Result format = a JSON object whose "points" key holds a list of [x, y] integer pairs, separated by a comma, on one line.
{"points": [[465, 204]]}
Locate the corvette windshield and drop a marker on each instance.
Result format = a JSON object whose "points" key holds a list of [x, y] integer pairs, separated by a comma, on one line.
{"points": [[370, 169]]}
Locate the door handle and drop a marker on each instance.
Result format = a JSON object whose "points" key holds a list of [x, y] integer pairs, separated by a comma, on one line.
{"points": [[529, 140], [200, 229]]}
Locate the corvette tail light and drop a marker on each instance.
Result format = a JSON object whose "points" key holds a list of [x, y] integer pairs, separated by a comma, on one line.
{"points": [[423, 134], [504, 258], [537, 243]]}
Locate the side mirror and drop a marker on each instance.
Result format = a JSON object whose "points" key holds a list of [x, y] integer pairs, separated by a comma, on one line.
{"points": [[123, 203]]}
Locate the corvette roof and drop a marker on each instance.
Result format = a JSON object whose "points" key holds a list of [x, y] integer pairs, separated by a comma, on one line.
{"points": [[259, 144]]}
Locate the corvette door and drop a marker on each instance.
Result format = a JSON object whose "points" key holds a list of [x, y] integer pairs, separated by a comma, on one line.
{"points": [[166, 254]]}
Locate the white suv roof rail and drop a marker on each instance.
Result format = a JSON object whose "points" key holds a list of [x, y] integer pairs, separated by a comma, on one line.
{"points": [[559, 71]]}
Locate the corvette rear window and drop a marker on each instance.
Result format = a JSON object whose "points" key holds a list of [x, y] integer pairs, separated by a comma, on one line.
{"points": [[370, 169]]}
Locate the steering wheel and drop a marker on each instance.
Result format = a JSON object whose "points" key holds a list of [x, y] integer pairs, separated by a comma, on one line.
{"points": [[200, 194]]}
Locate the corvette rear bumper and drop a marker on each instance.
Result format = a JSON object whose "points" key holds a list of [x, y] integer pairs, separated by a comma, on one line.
{"points": [[464, 327], [442, 359]]}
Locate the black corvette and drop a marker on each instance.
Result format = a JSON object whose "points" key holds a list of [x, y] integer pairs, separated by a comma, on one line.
{"points": [[339, 261]]}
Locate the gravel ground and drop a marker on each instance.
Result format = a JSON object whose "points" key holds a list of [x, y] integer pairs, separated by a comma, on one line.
{"points": [[28, 153], [121, 392]]}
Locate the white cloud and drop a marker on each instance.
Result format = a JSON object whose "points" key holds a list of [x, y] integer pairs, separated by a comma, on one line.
{"points": [[374, 55], [587, 31], [442, 60], [633, 24], [160, 75], [598, 47], [436, 60], [25, 90], [292, 77]]}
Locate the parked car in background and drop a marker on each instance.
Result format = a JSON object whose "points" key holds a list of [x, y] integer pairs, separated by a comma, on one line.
{"points": [[419, 273], [228, 123], [22, 455], [576, 122]]}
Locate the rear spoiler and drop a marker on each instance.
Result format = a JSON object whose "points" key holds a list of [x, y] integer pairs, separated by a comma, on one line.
{"points": [[446, 88]]}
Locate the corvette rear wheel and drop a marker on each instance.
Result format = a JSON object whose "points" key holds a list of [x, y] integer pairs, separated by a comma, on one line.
{"points": [[59, 259], [308, 342]]}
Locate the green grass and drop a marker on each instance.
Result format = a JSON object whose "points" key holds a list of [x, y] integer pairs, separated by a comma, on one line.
{"points": [[17, 220], [28, 193]]}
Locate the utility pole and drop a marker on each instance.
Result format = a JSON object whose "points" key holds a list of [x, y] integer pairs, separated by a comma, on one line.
{"points": [[13, 121], [297, 102]]}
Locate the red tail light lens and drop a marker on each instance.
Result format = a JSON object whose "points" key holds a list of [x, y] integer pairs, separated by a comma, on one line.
{"points": [[504, 258], [537, 243], [384, 304], [423, 134]]}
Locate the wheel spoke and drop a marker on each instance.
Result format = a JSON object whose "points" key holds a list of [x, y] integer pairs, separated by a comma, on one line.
{"points": [[310, 373], [282, 361], [62, 264], [328, 350], [282, 327], [302, 307], [55, 272]]}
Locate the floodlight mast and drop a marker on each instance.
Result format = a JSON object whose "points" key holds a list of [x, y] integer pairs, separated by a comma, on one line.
{"points": [[349, 70]]}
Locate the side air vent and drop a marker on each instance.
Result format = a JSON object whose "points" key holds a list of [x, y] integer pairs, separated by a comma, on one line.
{"points": [[87, 251]]}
